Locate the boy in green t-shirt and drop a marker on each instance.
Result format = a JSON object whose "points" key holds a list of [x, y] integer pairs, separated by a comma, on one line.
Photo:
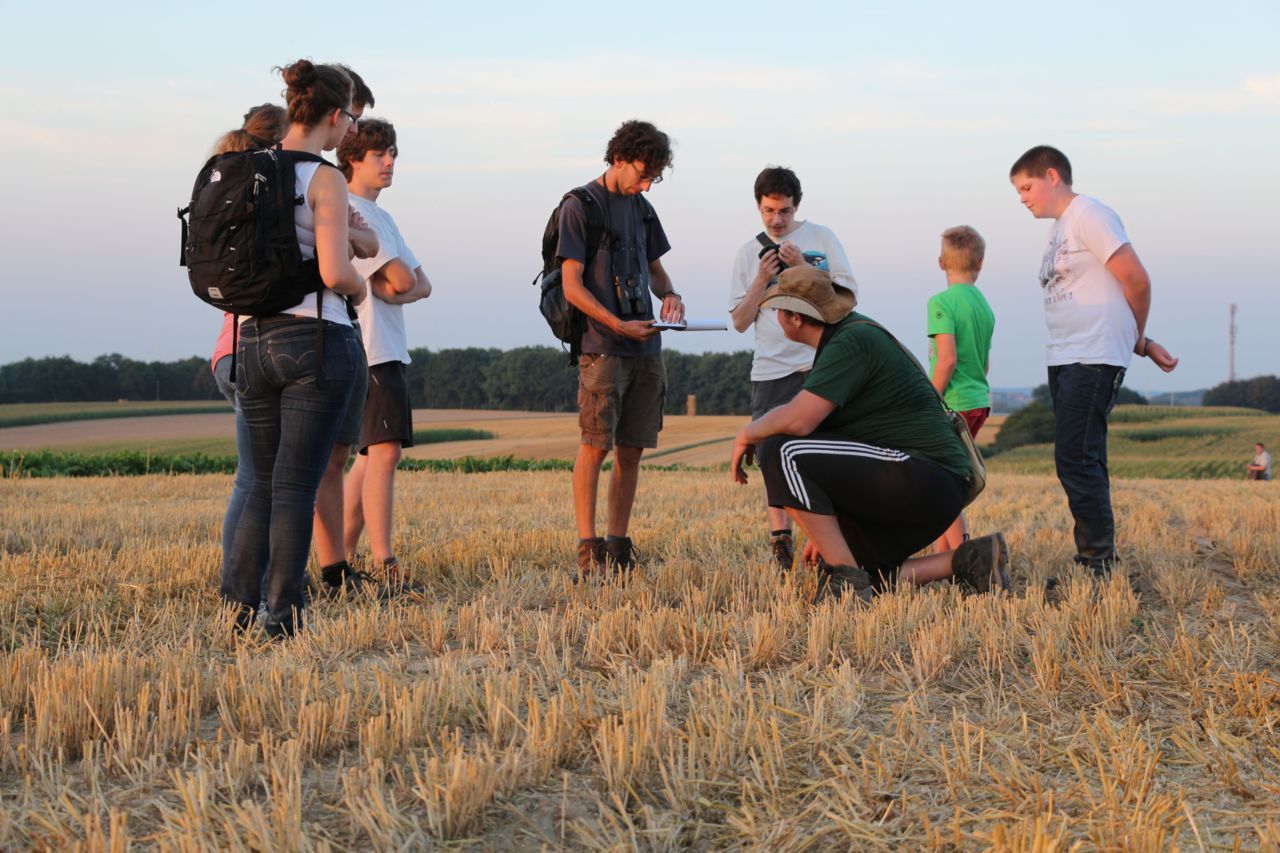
{"points": [[960, 327]]}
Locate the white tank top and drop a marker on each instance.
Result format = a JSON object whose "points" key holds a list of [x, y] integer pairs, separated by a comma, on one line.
{"points": [[304, 223]]}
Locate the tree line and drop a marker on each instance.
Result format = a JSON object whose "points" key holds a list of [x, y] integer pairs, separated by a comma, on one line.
{"points": [[536, 379], [1260, 392]]}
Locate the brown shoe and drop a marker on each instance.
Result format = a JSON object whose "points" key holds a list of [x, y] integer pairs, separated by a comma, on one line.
{"points": [[620, 554], [835, 581], [590, 557], [981, 565], [784, 555]]}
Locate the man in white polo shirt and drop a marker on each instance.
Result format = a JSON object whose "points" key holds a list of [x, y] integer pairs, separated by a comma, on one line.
{"points": [[780, 366]]}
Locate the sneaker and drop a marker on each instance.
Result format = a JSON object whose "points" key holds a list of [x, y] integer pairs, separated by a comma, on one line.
{"points": [[340, 578], [397, 581], [835, 581], [590, 557], [620, 554], [784, 554], [981, 565]]}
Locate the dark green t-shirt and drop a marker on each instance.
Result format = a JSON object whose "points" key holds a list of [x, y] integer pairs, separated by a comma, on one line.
{"points": [[882, 397]]}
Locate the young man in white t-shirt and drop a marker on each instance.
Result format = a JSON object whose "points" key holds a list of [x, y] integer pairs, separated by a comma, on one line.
{"points": [[395, 278], [1096, 299], [780, 366]]}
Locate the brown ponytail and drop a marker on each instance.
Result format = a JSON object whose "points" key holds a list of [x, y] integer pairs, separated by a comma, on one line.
{"points": [[264, 126], [315, 91]]}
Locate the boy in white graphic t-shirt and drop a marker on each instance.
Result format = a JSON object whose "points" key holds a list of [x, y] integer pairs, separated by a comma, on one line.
{"points": [[1096, 299], [395, 278]]}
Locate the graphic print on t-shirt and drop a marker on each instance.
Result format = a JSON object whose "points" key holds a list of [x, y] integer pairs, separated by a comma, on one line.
{"points": [[1054, 269]]}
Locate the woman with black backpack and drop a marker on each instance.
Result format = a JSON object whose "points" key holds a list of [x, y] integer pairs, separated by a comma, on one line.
{"points": [[295, 368]]}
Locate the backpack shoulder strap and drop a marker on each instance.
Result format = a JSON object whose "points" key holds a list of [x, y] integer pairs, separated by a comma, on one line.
{"points": [[595, 215], [908, 353]]}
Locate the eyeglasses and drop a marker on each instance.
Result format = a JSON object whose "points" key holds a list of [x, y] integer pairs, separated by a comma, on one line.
{"points": [[652, 179], [348, 114]]}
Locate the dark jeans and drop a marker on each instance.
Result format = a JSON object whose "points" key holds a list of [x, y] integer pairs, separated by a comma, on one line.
{"points": [[1083, 396], [244, 459], [292, 422]]}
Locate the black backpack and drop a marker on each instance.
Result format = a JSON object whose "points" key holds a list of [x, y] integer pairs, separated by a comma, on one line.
{"points": [[567, 322], [239, 244]]}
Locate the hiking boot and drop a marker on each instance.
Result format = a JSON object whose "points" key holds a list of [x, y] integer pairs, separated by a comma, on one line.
{"points": [[784, 554], [590, 557], [981, 565], [835, 581], [620, 554]]}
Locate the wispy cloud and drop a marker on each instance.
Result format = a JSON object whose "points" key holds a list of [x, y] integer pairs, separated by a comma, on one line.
{"points": [[1258, 94]]}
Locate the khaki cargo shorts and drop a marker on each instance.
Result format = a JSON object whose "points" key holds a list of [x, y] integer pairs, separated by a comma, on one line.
{"points": [[620, 400]]}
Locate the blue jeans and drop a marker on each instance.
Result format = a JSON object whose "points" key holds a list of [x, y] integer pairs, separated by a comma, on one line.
{"points": [[244, 459], [291, 422], [1083, 396]]}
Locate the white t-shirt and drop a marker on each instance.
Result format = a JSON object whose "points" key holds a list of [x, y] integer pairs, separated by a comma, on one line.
{"points": [[1264, 459], [1084, 306], [304, 224], [381, 323], [776, 356]]}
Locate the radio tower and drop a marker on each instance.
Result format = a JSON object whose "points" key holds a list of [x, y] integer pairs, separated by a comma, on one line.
{"points": [[1231, 344]]}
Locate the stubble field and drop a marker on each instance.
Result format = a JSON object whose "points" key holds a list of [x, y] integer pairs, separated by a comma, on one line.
{"points": [[703, 705]]}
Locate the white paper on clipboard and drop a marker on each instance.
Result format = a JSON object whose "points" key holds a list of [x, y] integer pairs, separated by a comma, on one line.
{"points": [[693, 326]]}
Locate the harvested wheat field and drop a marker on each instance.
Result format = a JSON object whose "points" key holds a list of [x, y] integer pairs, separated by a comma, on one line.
{"points": [[703, 705]]}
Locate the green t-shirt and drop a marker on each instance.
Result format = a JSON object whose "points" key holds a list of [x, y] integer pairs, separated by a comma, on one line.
{"points": [[882, 396], [962, 311]]}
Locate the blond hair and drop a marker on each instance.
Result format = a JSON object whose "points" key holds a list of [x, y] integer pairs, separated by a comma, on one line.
{"points": [[962, 249]]}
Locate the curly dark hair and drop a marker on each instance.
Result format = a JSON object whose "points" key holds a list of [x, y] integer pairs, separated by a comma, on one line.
{"points": [[640, 140], [1039, 160], [372, 134], [778, 180]]}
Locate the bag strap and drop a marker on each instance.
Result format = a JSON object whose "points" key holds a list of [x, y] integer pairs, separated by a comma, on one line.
{"points": [[597, 219], [909, 355]]}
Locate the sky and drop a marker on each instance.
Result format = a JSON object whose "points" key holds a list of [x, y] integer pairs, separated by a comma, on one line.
{"points": [[900, 120]]}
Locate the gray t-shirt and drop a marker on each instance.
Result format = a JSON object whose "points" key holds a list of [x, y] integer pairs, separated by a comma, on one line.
{"points": [[618, 275]]}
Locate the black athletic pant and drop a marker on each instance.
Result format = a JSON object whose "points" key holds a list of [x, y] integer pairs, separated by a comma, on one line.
{"points": [[889, 505]]}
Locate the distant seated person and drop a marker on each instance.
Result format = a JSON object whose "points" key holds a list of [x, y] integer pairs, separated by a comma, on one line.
{"points": [[1260, 467], [863, 459]]}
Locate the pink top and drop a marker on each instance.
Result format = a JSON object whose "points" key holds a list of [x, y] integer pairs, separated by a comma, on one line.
{"points": [[223, 346]]}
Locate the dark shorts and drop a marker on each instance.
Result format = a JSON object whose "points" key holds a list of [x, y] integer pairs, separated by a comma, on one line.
{"points": [[353, 419], [771, 393], [975, 418], [620, 400], [889, 504], [388, 415]]}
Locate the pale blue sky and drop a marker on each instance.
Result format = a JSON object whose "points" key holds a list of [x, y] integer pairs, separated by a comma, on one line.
{"points": [[901, 120]]}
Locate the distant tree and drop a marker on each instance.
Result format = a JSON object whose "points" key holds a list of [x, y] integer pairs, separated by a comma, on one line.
{"points": [[455, 379], [1124, 397], [1032, 424], [720, 381], [532, 379], [1260, 392]]}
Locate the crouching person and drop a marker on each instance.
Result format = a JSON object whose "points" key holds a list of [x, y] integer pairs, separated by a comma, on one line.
{"points": [[863, 458]]}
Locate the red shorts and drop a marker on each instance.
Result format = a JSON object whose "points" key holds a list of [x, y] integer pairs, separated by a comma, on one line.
{"points": [[975, 418]]}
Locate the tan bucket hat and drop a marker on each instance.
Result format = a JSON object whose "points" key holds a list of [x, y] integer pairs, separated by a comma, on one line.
{"points": [[810, 291]]}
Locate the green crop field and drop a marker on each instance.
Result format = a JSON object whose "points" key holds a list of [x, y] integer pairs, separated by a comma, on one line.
{"points": [[31, 414], [1167, 443]]}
